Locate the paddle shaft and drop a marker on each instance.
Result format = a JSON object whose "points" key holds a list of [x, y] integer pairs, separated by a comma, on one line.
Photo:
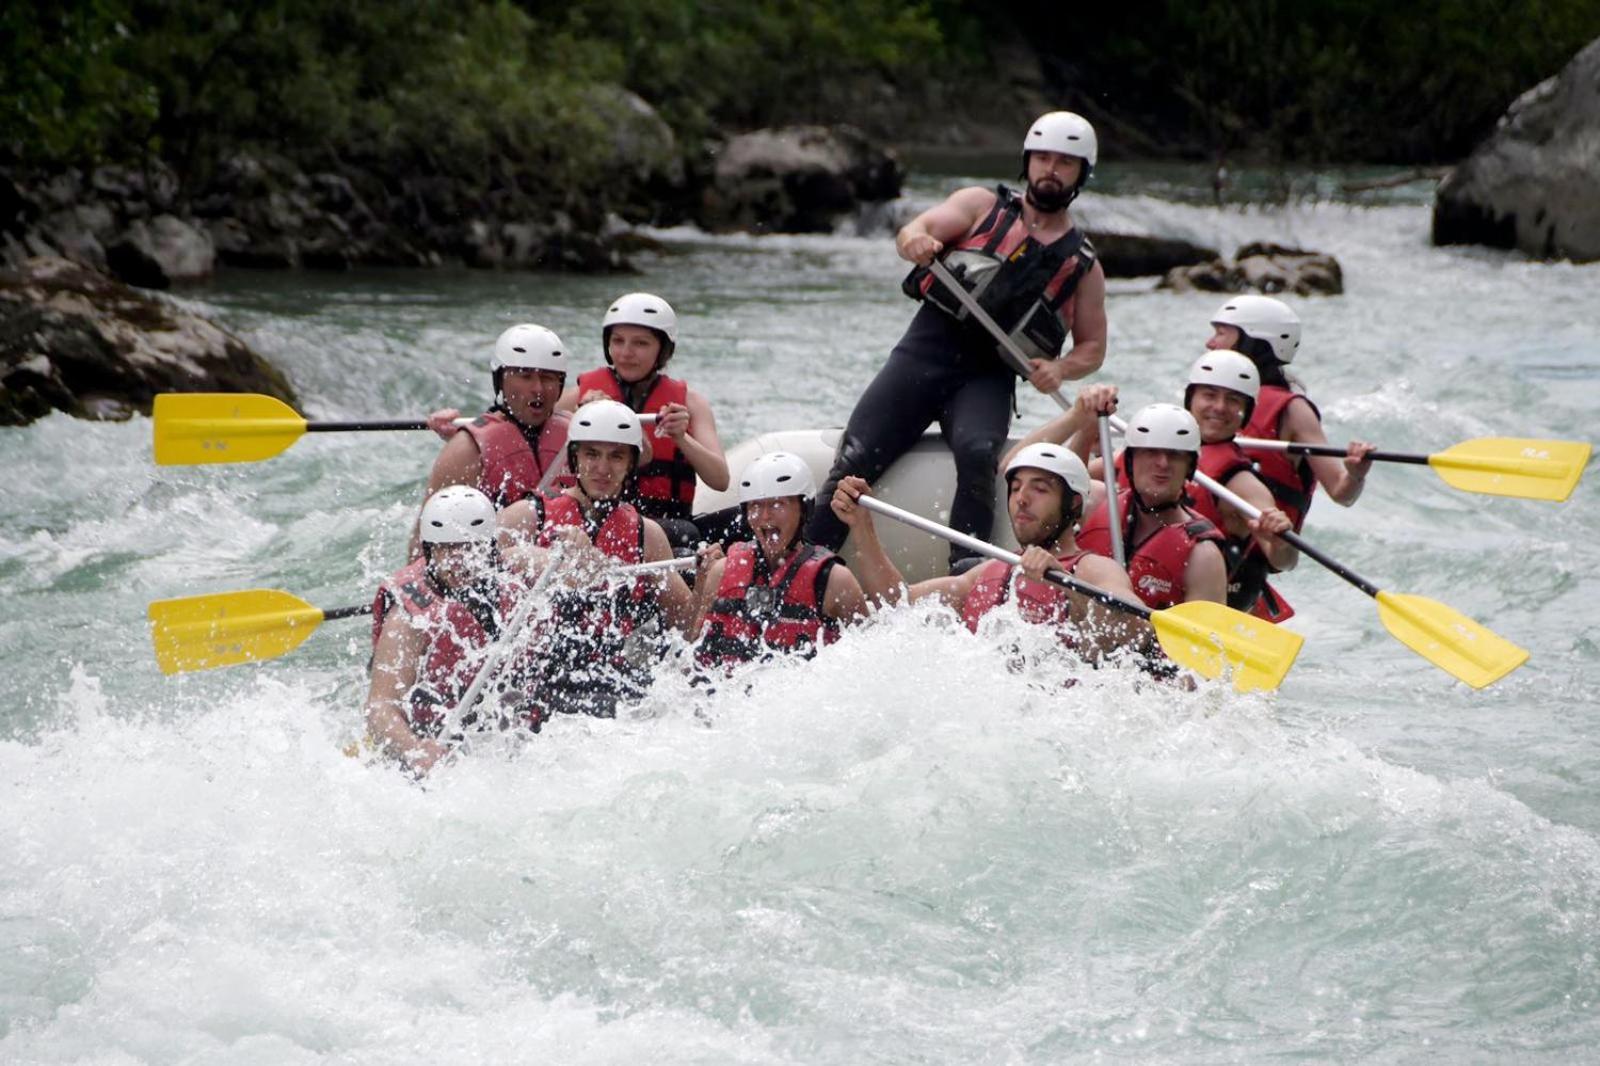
{"points": [[1250, 510], [1014, 355], [983, 547], [1253, 444], [1112, 512]]}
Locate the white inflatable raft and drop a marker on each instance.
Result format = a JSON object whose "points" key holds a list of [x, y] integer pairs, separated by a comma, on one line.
{"points": [[922, 481]]}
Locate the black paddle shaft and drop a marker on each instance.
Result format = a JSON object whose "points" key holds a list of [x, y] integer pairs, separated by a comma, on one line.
{"points": [[346, 612], [1331, 563], [348, 427], [1335, 450]]}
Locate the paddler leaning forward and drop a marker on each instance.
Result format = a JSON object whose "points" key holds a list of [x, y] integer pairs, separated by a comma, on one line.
{"points": [[1046, 486], [432, 622], [602, 640], [776, 593]]}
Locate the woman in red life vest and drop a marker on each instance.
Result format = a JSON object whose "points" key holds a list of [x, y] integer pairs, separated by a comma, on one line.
{"points": [[508, 451], [1220, 395], [775, 592], [1267, 331], [1174, 555], [432, 622], [600, 645], [639, 335], [1046, 487]]}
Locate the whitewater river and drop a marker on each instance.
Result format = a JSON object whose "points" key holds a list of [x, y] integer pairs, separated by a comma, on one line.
{"points": [[902, 852]]}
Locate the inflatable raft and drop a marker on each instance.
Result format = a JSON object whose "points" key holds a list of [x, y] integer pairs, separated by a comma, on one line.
{"points": [[922, 481]]}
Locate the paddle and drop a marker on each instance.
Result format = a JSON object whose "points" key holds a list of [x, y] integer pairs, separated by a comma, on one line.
{"points": [[1442, 635], [193, 633], [1112, 515], [1208, 638], [1496, 466], [241, 427]]}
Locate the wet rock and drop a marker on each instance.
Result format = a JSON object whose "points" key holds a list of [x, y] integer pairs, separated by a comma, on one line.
{"points": [[1534, 184], [1127, 256], [77, 341], [1262, 267], [158, 253], [797, 179]]}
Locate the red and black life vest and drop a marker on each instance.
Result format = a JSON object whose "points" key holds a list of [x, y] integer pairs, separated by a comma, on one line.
{"points": [[1025, 286], [666, 482], [1157, 565], [1222, 461], [1289, 478], [511, 468], [1037, 601], [757, 609], [452, 632]]}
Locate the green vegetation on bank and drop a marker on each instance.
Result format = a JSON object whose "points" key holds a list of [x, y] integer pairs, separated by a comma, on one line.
{"points": [[505, 90]]}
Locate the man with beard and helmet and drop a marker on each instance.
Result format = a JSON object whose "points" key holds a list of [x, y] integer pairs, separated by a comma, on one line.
{"points": [[1046, 489], [431, 623], [1267, 332], [509, 451], [1174, 555], [639, 335], [602, 637], [774, 593], [1036, 275]]}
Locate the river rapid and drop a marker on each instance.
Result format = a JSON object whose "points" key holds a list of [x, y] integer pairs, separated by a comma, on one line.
{"points": [[905, 851]]}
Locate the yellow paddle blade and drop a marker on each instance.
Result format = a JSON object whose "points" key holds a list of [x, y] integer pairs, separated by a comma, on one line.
{"points": [[1512, 466], [204, 632], [1449, 639], [1210, 638], [222, 427]]}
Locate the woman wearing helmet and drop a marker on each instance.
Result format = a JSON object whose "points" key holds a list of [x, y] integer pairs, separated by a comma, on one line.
{"points": [[774, 593], [602, 640], [507, 452], [429, 619], [1267, 331], [1221, 394], [639, 335], [1047, 486], [1038, 278]]}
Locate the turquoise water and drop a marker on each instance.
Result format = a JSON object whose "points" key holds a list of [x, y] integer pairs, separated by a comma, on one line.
{"points": [[905, 851]]}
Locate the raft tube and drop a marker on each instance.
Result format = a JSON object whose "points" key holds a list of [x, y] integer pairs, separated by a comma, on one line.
{"points": [[922, 481]]}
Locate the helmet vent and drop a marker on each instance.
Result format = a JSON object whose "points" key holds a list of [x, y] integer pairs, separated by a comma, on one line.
{"points": [[520, 351]]}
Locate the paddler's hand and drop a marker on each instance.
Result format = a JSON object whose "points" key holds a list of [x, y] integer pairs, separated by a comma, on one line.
{"points": [[591, 396], [422, 758], [707, 557], [1270, 525], [443, 422], [1048, 374], [1095, 400], [1035, 561], [1358, 459], [918, 248], [672, 421], [844, 502]]}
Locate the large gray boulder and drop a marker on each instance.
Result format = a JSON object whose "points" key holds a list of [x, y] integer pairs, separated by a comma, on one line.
{"points": [[1534, 184], [157, 252], [1262, 267], [797, 179], [76, 341]]}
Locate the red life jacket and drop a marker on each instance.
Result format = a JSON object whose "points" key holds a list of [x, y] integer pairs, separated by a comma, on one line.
{"points": [[1247, 567], [588, 660], [1156, 565], [452, 633], [511, 470], [785, 615], [1025, 286], [1037, 601], [665, 483], [1221, 461], [1290, 478]]}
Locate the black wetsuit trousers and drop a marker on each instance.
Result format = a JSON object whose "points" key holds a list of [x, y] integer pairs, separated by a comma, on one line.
{"points": [[938, 372]]}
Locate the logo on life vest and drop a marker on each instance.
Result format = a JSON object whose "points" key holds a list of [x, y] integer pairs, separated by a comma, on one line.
{"points": [[1153, 585]]}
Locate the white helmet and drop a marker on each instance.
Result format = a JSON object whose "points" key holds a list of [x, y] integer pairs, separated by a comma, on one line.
{"points": [[1264, 319], [529, 347], [775, 475], [1066, 133], [1165, 426], [457, 514], [1226, 369], [642, 309], [605, 421], [1055, 459]]}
